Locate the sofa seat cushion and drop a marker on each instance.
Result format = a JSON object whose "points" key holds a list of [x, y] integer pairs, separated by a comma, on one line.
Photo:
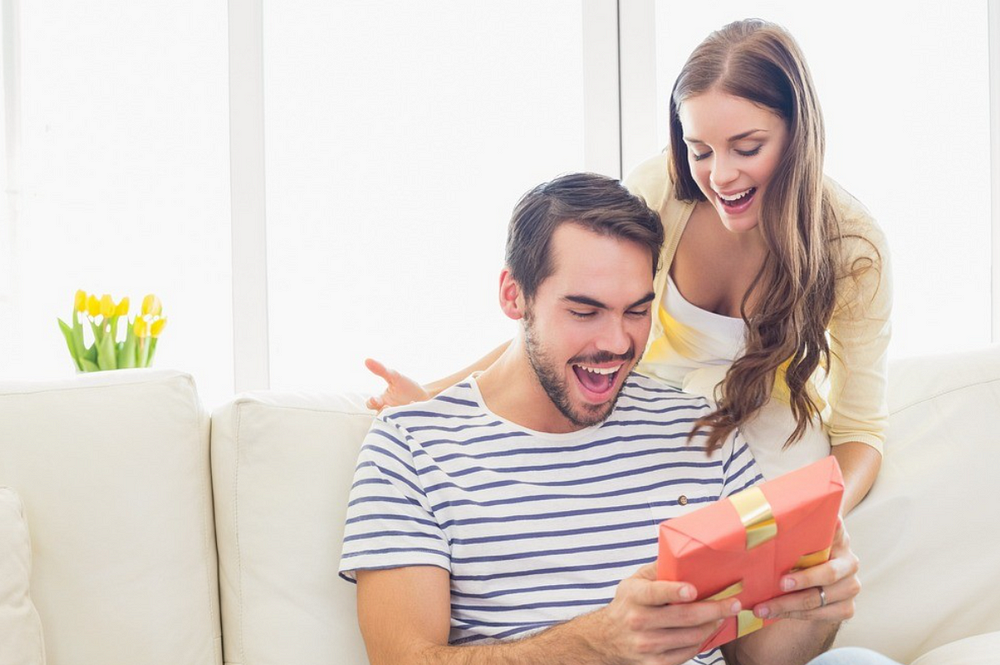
{"points": [[975, 650], [21, 640]]}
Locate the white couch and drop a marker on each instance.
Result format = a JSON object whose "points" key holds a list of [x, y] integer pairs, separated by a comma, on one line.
{"points": [[160, 536]]}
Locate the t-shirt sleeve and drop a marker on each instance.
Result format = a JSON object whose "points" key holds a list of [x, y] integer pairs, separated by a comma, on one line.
{"points": [[739, 468], [390, 522], [859, 339]]}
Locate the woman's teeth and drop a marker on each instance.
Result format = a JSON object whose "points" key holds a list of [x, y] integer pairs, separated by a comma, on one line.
{"points": [[736, 197]]}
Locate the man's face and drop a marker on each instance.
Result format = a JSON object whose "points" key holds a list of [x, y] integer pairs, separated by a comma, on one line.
{"points": [[587, 325]]}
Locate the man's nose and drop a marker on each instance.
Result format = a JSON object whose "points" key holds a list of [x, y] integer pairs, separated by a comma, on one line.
{"points": [[614, 337]]}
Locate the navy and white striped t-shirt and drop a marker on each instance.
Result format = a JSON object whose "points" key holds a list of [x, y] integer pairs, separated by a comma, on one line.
{"points": [[535, 528]]}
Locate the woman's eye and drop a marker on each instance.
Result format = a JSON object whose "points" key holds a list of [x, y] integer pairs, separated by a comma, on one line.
{"points": [[749, 153], [696, 157]]}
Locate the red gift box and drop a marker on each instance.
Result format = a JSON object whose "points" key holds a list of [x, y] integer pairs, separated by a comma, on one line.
{"points": [[741, 546]]}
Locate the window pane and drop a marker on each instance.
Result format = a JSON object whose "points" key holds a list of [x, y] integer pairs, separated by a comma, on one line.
{"points": [[124, 174], [399, 136], [906, 107]]}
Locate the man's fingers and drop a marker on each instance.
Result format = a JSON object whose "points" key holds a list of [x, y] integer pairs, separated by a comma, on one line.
{"points": [[657, 593], [835, 604]]}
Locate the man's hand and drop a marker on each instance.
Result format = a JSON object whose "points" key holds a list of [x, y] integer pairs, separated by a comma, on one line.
{"points": [[399, 390], [798, 642], [656, 622], [822, 593]]}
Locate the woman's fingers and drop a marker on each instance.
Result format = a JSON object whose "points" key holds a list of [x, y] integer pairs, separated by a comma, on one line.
{"points": [[378, 369]]}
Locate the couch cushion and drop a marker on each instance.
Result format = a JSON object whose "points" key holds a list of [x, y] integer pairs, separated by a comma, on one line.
{"points": [[113, 469], [928, 533], [21, 640], [282, 466], [975, 650]]}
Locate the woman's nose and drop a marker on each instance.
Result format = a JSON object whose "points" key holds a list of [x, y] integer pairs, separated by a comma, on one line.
{"points": [[724, 172]]}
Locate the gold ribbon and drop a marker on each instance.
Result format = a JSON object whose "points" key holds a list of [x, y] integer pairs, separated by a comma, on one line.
{"points": [[755, 513], [728, 592], [810, 560], [758, 521], [747, 623]]}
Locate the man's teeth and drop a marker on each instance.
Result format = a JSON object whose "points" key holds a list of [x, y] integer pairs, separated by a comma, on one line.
{"points": [[737, 197], [599, 370]]}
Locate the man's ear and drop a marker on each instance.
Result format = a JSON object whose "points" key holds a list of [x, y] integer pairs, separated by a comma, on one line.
{"points": [[511, 298]]}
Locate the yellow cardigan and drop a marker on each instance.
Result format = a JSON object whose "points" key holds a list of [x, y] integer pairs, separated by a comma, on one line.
{"points": [[859, 332]]}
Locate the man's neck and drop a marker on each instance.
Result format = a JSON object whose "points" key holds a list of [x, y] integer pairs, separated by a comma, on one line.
{"points": [[511, 390]]}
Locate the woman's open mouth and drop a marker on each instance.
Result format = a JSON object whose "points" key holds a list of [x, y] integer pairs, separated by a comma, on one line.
{"points": [[737, 203], [597, 383]]}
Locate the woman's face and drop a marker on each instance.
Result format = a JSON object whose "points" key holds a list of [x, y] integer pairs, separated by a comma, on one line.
{"points": [[733, 149]]}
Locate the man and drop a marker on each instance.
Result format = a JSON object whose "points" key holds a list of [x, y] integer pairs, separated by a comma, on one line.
{"points": [[512, 519]]}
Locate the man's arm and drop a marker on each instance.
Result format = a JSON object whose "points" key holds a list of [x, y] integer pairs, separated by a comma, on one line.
{"points": [[812, 620], [404, 614]]}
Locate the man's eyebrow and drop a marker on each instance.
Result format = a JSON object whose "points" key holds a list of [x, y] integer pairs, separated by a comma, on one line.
{"points": [[643, 300], [737, 137], [584, 300], [597, 304]]}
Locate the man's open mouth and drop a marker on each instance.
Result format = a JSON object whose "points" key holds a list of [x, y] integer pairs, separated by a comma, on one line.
{"points": [[597, 382]]}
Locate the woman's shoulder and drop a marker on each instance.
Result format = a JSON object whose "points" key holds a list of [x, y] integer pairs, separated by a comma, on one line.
{"points": [[650, 180], [860, 233]]}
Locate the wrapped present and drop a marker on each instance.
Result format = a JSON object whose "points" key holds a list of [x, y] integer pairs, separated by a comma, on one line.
{"points": [[741, 546]]}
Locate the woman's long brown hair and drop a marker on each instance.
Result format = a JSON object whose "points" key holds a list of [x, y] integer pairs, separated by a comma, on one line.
{"points": [[793, 293]]}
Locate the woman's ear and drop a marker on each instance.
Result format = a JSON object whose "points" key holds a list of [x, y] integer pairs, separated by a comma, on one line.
{"points": [[511, 299]]}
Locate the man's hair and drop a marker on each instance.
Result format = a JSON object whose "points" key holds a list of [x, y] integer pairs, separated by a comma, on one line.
{"points": [[591, 201]]}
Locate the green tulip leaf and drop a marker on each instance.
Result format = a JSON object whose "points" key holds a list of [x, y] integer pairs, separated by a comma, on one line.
{"points": [[152, 350], [126, 355], [68, 334], [106, 354], [88, 366]]}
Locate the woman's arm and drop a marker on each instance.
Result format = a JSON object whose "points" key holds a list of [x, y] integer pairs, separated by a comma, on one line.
{"points": [[401, 389], [860, 464], [859, 335]]}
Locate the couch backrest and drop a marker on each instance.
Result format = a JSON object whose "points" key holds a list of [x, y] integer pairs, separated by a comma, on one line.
{"points": [[929, 532], [282, 465], [113, 471]]}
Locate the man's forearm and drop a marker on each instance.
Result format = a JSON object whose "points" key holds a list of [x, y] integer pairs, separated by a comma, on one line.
{"points": [[787, 642], [568, 643]]}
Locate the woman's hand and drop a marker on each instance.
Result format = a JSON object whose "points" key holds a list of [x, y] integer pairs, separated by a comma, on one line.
{"points": [[399, 390]]}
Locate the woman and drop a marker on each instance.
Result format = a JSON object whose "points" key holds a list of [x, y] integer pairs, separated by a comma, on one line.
{"points": [[775, 283]]}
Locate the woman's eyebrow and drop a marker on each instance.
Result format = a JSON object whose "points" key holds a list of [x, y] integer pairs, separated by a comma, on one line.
{"points": [[737, 137]]}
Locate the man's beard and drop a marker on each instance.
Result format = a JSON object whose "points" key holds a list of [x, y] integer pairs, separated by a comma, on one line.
{"points": [[554, 383]]}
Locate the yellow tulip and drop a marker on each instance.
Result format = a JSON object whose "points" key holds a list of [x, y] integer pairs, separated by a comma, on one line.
{"points": [[80, 301], [151, 306], [93, 305], [157, 327], [122, 308], [140, 327], [107, 306]]}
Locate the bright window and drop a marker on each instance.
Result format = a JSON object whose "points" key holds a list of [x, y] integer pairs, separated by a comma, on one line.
{"points": [[123, 180], [399, 136], [906, 107]]}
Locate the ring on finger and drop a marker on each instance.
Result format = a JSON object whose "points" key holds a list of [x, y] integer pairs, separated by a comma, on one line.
{"points": [[822, 597]]}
